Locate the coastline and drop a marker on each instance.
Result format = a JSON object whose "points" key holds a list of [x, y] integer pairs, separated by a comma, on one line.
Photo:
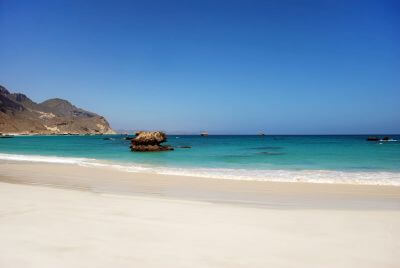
{"points": [[316, 176], [104, 179], [68, 215]]}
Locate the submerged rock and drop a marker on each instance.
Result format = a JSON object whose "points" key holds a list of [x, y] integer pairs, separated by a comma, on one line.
{"points": [[267, 148], [149, 141], [151, 148], [271, 153], [184, 147], [6, 137]]}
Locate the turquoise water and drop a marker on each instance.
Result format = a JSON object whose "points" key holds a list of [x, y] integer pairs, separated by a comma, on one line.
{"points": [[227, 155]]}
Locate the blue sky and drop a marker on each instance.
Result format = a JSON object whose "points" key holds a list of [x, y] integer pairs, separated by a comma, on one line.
{"points": [[283, 67]]}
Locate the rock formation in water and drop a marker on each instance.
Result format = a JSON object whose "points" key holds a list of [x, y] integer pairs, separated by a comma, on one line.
{"points": [[21, 115], [149, 141]]}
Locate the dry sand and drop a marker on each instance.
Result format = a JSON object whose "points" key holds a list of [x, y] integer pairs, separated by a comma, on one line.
{"points": [[54, 215]]}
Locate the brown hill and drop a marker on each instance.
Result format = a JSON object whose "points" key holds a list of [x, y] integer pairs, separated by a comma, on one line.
{"points": [[19, 114]]}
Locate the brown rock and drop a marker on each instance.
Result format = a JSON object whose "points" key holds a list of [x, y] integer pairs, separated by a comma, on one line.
{"points": [[149, 138], [150, 141]]}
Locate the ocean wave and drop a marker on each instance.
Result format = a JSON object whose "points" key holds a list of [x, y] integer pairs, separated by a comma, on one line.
{"points": [[309, 176]]}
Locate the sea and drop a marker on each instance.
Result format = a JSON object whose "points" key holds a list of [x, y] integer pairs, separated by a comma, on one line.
{"points": [[349, 159]]}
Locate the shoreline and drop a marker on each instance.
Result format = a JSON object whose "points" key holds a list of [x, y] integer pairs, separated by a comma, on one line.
{"points": [[315, 176], [243, 192]]}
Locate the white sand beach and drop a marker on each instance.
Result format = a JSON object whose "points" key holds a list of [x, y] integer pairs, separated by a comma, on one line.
{"points": [[199, 134], [57, 215]]}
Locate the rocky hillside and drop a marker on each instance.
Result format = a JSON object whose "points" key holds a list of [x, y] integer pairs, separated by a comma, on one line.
{"points": [[19, 114]]}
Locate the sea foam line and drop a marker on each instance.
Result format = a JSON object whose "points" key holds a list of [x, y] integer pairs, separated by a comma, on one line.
{"points": [[309, 176], [44, 159]]}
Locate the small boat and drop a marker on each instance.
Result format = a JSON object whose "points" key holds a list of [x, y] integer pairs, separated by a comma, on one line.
{"points": [[384, 139], [261, 134], [387, 139], [204, 133]]}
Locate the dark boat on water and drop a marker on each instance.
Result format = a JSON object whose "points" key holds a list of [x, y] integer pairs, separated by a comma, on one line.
{"points": [[384, 139]]}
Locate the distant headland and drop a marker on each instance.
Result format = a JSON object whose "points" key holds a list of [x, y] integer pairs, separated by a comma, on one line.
{"points": [[21, 115]]}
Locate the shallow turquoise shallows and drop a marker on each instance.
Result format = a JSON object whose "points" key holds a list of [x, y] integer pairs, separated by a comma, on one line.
{"points": [[245, 157]]}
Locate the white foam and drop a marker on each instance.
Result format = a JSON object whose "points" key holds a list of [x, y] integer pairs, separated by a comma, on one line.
{"points": [[311, 176], [44, 159]]}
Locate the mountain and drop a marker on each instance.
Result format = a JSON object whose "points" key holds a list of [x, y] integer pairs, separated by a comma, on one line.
{"points": [[19, 114]]}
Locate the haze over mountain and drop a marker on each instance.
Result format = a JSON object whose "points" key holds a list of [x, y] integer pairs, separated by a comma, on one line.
{"points": [[19, 114]]}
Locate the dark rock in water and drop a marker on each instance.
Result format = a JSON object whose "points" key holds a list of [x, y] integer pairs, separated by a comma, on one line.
{"points": [[6, 137], [267, 148], [151, 148], [373, 138], [108, 139], [149, 141], [231, 157], [128, 138], [271, 153], [184, 147]]}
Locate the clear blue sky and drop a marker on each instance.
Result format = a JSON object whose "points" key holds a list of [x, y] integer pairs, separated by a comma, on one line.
{"points": [[284, 66]]}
